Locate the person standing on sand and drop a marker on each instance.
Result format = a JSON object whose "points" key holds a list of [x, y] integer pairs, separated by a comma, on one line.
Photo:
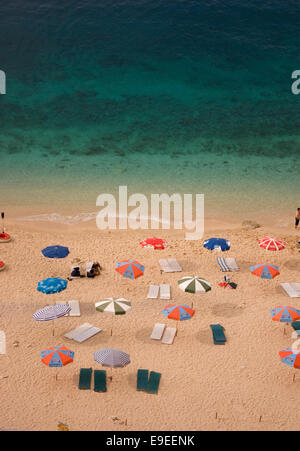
{"points": [[297, 218]]}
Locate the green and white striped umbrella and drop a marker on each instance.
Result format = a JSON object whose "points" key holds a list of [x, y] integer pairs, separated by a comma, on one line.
{"points": [[117, 306], [194, 284]]}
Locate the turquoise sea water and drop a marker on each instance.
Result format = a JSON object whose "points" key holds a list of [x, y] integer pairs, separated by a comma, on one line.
{"points": [[161, 96]]}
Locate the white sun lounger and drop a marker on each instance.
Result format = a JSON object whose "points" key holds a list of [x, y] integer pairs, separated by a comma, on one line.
{"points": [[87, 334], [165, 292], [169, 335], [153, 292], [2, 343], [173, 263], [292, 289], [74, 305], [74, 332], [170, 265], [157, 331], [75, 309]]}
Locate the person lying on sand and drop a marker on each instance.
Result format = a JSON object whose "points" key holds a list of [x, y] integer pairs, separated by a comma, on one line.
{"points": [[92, 269], [297, 218]]}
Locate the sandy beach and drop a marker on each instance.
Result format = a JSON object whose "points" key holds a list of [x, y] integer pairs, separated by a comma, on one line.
{"points": [[240, 386]]}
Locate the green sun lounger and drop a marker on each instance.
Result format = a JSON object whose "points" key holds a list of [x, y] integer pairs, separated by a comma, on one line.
{"points": [[142, 380], [100, 380], [296, 326], [153, 382], [85, 378], [218, 334]]}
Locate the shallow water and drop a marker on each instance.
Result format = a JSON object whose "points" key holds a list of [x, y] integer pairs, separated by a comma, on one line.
{"points": [[165, 96]]}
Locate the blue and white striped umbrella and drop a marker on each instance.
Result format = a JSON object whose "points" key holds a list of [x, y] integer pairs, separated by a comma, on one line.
{"points": [[51, 312], [112, 357], [52, 285]]}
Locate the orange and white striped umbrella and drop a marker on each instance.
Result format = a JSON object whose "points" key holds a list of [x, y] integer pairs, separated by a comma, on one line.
{"points": [[272, 244]]}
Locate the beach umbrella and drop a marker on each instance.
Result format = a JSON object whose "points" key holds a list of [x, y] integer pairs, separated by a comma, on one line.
{"points": [[113, 358], [2, 265], [285, 314], [290, 357], [218, 244], [51, 312], [115, 306], [4, 237], [55, 252], [57, 356], [265, 271], [272, 244], [130, 268], [52, 285], [178, 312], [194, 284], [154, 243]]}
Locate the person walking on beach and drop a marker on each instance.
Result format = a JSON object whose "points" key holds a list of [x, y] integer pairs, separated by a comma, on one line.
{"points": [[297, 218]]}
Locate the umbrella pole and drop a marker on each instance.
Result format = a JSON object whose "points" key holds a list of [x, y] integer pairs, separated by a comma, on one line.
{"points": [[2, 216]]}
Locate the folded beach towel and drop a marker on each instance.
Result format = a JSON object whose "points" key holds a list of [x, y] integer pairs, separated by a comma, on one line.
{"points": [[100, 380], [218, 334], [142, 380], [227, 264], [153, 382], [85, 378]]}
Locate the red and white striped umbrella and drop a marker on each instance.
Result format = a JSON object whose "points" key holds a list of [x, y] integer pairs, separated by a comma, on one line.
{"points": [[272, 244]]}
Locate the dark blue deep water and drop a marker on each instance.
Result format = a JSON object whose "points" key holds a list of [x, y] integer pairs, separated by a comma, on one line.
{"points": [[160, 95]]}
